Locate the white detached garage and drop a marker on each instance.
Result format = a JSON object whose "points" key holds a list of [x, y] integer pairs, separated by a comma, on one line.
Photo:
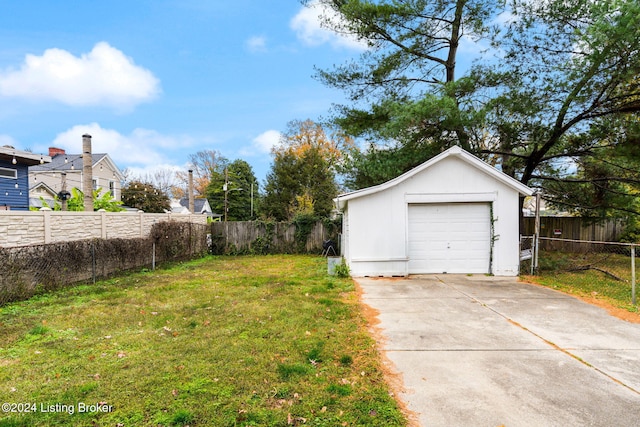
{"points": [[452, 214]]}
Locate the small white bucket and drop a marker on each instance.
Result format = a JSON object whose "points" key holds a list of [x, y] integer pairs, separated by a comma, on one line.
{"points": [[332, 262]]}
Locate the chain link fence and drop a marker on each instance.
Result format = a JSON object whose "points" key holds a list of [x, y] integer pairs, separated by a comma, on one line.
{"points": [[29, 270], [599, 268]]}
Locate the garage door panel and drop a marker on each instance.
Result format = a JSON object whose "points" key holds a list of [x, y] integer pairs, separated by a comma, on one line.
{"points": [[452, 238]]}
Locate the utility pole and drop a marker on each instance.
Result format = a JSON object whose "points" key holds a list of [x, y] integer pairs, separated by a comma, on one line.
{"points": [[225, 188]]}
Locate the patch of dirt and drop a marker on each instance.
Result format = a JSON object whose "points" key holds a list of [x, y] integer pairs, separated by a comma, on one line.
{"points": [[392, 377], [620, 313], [7, 362]]}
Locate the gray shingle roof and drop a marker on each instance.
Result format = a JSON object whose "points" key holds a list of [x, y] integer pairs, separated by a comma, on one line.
{"points": [[66, 162]]}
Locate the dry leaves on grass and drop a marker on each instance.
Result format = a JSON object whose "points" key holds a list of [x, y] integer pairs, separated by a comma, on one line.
{"points": [[295, 421]]}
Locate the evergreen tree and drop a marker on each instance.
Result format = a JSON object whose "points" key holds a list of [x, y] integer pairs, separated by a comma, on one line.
{"points": [[551, 76], [302, 177], [241, 190]]}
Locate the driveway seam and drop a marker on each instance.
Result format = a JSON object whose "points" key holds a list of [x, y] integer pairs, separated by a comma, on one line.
{"points": [[550, 343]]}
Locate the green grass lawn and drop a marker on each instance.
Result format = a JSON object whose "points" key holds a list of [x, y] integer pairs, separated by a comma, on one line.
{"points": [[222, 341], [608, 280]]}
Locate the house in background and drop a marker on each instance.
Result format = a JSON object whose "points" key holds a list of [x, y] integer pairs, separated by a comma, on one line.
{"points": [[14, 173], [201, 206], [41, 195], [177, 208], [68, 167]]}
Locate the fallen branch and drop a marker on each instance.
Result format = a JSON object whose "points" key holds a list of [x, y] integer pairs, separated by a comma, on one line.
{"points": [[590, 267]]}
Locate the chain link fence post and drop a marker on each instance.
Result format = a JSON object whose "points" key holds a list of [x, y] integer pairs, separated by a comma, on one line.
{"points": [[93, 261], [600, 268], [633, 275]]}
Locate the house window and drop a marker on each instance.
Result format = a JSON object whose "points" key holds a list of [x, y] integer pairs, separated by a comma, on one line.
{"points": [[94, 184], [112, 188], [8, 173]]}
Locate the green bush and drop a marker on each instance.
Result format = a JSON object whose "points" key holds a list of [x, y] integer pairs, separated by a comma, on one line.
{"points": [[631, 233], [342, 270]]}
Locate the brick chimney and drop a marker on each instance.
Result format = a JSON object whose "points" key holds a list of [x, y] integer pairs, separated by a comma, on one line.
{"points": [[54, 151]]}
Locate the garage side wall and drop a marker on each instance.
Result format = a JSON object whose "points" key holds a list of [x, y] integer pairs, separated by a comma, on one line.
{"points": [[377, 237]]}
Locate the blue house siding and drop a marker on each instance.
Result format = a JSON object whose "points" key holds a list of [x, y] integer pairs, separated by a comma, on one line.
{"points": [[10, 196]]}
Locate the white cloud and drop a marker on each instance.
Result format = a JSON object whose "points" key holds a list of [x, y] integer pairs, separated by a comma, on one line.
{"points": [[309, 28], [142, 147], [262, 144], [104, 76], [256, 44], [267, 140]]}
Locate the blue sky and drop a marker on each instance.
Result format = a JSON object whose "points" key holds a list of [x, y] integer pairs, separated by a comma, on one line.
{"points": [[156, 80]]}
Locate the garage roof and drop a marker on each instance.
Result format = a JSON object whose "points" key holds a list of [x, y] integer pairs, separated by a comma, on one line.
{"points": [[453, 151]]}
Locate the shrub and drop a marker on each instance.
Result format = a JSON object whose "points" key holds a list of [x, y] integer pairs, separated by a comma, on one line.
{"points": [[342, 270]]}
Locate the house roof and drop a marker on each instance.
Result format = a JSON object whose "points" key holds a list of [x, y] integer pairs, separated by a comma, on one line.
{"points": [[454, 151], [9, 153], [73, 162], [199, 205]]}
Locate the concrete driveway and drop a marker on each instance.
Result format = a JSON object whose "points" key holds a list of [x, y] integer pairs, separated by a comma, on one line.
{"points": [[486, 351]]}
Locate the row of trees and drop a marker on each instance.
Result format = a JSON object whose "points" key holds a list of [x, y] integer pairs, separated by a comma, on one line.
{"points": [[552, 98], [224, 183], [302, 180]]}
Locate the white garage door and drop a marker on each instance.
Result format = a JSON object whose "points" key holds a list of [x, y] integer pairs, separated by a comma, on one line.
{"points": [[449, 238]]}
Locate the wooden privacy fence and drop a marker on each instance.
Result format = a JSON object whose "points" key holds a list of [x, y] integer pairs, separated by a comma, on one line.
{"points": [[576, 228], [258, 237]]}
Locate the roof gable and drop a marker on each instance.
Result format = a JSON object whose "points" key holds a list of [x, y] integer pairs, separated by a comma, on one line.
{"points": [[454, 151], [106, 159], [44, 187], [200, 205]]}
